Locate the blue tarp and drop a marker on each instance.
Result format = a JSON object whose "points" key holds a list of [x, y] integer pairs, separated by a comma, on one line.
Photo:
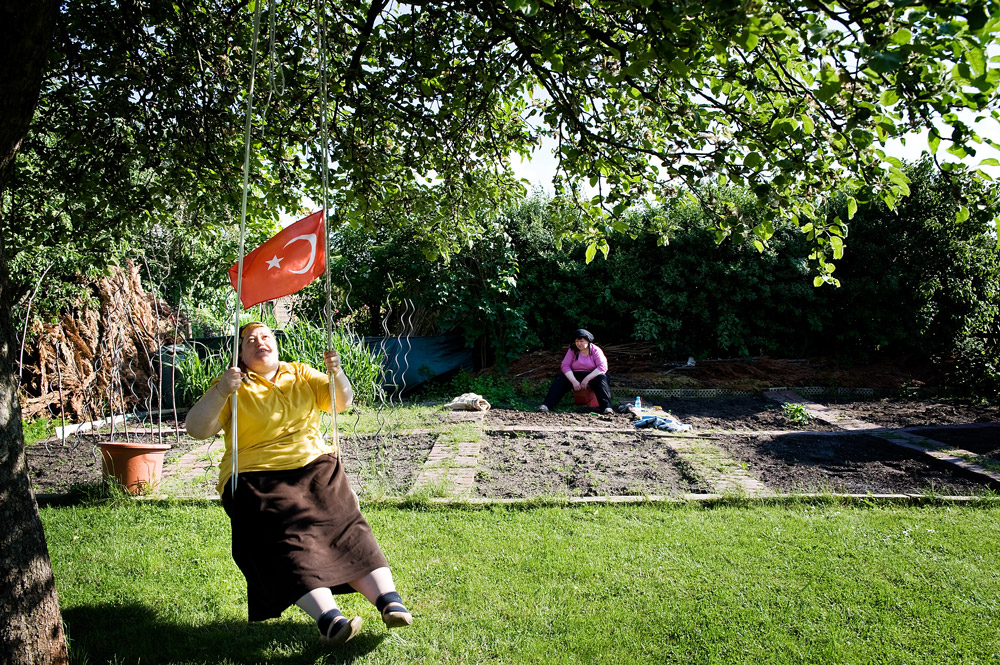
{"points": [[410, 361]]}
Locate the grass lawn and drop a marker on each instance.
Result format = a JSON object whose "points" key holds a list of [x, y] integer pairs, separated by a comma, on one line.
{"points": [[821, 582]]}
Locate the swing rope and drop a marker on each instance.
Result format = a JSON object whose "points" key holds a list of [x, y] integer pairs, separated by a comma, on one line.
{"points": [[243, 219], [325, 156]]}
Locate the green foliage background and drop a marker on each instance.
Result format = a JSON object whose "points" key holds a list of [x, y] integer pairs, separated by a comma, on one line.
{"points": [[913, 283]]}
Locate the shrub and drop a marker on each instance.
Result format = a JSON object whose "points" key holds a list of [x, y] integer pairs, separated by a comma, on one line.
{"points": [[303, 341], [195, 373]]}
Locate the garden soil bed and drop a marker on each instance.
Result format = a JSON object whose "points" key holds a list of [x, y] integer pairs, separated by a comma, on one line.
{"points": [[570, 453], [847, 463], [568, 464], [384, 464], [576, 453]]}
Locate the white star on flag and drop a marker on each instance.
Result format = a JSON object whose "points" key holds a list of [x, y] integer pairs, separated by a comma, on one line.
{"points": [[275, 262]]}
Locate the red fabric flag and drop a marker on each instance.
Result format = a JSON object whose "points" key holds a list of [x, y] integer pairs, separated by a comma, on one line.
{"points": [[284, 264]]}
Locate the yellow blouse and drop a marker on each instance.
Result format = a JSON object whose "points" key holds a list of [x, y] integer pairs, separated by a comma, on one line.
{"points": [[278, 421]]}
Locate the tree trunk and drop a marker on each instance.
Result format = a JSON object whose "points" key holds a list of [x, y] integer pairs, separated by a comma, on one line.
{"points": [[31, 630]]}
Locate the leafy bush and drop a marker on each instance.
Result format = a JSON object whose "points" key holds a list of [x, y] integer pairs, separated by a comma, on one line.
{"points": [[195, 374], [913, 280], [976, 368], [305, 342], [796, 413]]}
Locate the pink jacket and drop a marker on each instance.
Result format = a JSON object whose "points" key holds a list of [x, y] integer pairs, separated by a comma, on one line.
{"points": [[584, 363]]}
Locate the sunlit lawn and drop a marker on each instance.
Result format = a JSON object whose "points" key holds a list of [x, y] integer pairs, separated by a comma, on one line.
{"points": [[822, 582]]}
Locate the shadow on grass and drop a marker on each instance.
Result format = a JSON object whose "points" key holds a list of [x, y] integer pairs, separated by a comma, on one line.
{"points": [[127, 634]]}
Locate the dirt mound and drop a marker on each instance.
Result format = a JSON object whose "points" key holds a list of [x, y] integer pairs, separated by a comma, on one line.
{"points": [[96, 360], [642, 366], [764, 372]]}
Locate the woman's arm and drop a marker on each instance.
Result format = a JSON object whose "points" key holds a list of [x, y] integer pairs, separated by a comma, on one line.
{"points": [[203, 419], [586, 379], [566, 367], [572, 380]]}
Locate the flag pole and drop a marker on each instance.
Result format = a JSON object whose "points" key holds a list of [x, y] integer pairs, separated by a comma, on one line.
{"points": [[239, 271]]}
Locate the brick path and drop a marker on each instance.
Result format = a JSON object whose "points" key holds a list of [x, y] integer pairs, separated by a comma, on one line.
{"points": [[196, 463], [450, 469]]}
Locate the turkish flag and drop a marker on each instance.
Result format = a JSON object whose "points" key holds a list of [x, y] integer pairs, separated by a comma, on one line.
{"points": [[284, 264]]}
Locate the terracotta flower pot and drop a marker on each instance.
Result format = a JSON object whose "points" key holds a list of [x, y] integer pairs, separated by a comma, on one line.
{"points": [[136, 467]]}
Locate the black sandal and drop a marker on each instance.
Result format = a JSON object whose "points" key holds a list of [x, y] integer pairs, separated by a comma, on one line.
{"points": [[394, 613], [339, 628]]}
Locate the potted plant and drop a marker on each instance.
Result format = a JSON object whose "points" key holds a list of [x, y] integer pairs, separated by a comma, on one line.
{"points": [[136, 466]]}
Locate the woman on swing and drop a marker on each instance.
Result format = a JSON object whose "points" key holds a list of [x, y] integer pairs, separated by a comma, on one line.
{"points": [[298, 533]]}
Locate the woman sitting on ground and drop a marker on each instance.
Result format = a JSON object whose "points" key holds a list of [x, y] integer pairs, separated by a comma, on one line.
{"points": [[584, 366], [298, 533]]}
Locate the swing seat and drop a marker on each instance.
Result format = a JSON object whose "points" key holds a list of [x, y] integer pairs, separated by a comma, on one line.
{"points": [[585, 397]]}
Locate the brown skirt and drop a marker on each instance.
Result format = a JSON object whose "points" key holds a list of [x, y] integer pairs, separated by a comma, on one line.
{"points": [[295, 531]]}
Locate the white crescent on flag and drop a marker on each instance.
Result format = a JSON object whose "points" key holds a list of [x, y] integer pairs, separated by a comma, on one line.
{"points": [[311, 239]]}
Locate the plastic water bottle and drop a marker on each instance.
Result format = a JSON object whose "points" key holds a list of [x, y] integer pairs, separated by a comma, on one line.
{"points": [[638, 403]]}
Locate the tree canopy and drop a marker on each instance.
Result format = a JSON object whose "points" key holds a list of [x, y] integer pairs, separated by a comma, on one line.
{"points": [[142, 112]]}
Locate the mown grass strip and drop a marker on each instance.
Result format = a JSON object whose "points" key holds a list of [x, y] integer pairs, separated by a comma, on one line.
{"points": [[741, 582]]}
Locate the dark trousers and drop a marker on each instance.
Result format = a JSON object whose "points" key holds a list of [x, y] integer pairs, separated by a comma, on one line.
{"points": [[561, 385]]}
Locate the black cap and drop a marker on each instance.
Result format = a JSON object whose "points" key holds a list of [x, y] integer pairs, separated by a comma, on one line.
{"points": [[585, 334]]}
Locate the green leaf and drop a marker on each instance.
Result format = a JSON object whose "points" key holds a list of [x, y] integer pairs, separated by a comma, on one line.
{"points": [[752, 160], [888, 97], [852, 207], [838, 247], [901, 36], [959, 151], [830, 84], [977, 61], [747, 40], [807, 124], [784, 125], [933, 141], [604, 247], [883, 63], [961, 215], [591, 252]]}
